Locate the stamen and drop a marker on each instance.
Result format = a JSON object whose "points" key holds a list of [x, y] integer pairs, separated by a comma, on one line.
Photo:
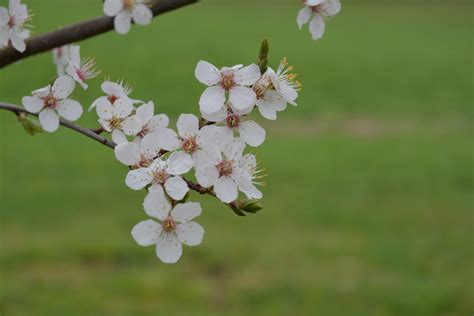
{"points": [[160, 176], [50, 102], [190, 145], [169, 225], [225, 168]]}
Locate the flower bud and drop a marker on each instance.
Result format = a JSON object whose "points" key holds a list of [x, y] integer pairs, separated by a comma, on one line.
{"points": [[263, 57], [250, 206], [30, 126]]}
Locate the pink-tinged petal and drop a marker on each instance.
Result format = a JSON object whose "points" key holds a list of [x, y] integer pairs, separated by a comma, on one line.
{"points": [[149, 147], [242, 97], [49, 120], [119, 137], [63, 87], [186, 211], [206, 177], [123, 107], [105, 109], [169, 249], [138, 179], [32, 104], [113, 7], [157, 122], [128, 153], [212, 100], [131, 126], [188, 125], [252, 133], [146, 233], [317, 26], [145, 112], [17, 41], [226, 189], [176, 188], [156, 205], [123, 22], [207, 73], [142, 15], [179, 163], [167, 139], [247, 76], [70, 109], [304, 15], [190, 233]]}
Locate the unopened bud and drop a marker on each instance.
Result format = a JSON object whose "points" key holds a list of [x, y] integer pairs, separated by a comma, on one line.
{"points": [[250, 206], [30, 126], [263, 57]]}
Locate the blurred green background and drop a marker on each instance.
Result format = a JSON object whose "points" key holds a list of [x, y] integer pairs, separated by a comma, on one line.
{"points": [[369, 196]]}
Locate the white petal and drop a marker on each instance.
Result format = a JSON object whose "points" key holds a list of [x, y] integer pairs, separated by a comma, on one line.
{"points": [[169, 249], [112, 7], [138, 179], [179, 163], [226, 189], [333, 7], [4, 36], [186, 211], [149, 147], [242, 97], [128, 153], [207, 73], [219, 116], [247, 76], [207, 176], [304, 15], [252, 133], [42, 92], [212, 100], [123, 107], [250, 190], [75, 56], [69, 109], [208, 156], [317, 26], [176, 188], [233, 150], [157, 122], [49, 120], [190, 233], [167, 139], [17, 41], [208, 135], [32, 104], [131, 126], [313, 3], [13, 6], [119, 137], [63, 87], [105, 109], [142, 15], [155, 204], [248, 163], [4, 16], [112, 89], [145, 112], [123, 22], [188, 125], [146, 233]]}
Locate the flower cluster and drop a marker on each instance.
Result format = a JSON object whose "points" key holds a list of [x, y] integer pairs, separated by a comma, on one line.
{"points": [[13, 29], [316, 12]]}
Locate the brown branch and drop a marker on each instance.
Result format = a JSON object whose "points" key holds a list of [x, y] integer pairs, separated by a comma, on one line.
{"points": [[79, 32]]}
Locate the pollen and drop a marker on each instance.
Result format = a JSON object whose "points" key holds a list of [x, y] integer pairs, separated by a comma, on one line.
{"points": [[115, 122], [169, 225], [225, 168], [128, 4], [227, 81], [190, 145], [50, 102], [233, 121]]}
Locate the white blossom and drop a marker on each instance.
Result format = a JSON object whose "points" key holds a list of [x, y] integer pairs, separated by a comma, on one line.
{"points": [[163, 173], [61, 59], [228, 171], [12, 25], [234, 81], [149, 122], [315, 12], [275, 89], [125, 11], [140, 155], [51, 99], [118, 119], [80, 70], [114, 91], [232, 120], [175, 227]]}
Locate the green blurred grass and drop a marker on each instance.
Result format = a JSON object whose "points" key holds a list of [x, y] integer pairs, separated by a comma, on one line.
{"points": [[368, 207]]}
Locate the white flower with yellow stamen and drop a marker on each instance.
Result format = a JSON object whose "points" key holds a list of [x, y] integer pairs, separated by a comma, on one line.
{"points": [[315, 12], [125, 11], [118, 119], [114, 91], [12, 25], [150, 122]]}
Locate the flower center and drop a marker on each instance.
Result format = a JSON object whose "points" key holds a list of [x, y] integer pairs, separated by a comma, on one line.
{"points": [[80, 74], [115, 122], [50, 102], [144, 162], [225, 168], [317, 9], [145, 130], [11, 22], [190, 145], [233, 120], [128, 4], [112, 99], [227, 81], [160, 176], [168, 225]]}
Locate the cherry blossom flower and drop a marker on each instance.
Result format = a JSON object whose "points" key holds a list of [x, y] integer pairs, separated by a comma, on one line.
{"points": [[140, 155], [315, 12], [232, 119], [175, 227], [163, 173], [228, 171], [118, 119], [61, 59], [234, 81], [12, 25], [51, 99], [149, 122], [191, 139], [114, 91], [80, 70], [125, 11], [275, 89]]}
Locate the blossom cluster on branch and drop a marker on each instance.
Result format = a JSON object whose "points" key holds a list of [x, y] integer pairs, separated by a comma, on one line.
{"points": [[211, 148]]}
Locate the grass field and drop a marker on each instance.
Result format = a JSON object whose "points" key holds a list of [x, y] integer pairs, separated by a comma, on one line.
{"points": [[368, 207]]}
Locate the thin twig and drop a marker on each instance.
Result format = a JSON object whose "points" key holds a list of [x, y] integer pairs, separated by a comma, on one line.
{"points": [[78, 32]]}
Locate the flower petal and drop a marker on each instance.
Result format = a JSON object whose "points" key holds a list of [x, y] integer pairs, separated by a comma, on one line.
{"points": [[169, 249], [131, 126], [112, 7], [207, 73], [17, 41], [247, 76], [304, 15], [105, 109], [212, 100], [186, 211], [226, 189], [252, 133], [157, 122], [242, 97], [155, 204], [112, 89], [317, 26], [49, 120], [333, 7], [149, 147], [63, 87], [32, 104], [188, 125], [123, 22], [145, 112], [167, 139], [138, 179], [123, 107], [128, 153], [142, 15], [119, 137], [234, 149], [190, 233], [179, 163], [69, 109], [146, 233], [176, 188], [207, 176]]}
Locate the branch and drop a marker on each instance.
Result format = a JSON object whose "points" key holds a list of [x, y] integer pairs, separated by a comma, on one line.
{"points": [[79, 32]]}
